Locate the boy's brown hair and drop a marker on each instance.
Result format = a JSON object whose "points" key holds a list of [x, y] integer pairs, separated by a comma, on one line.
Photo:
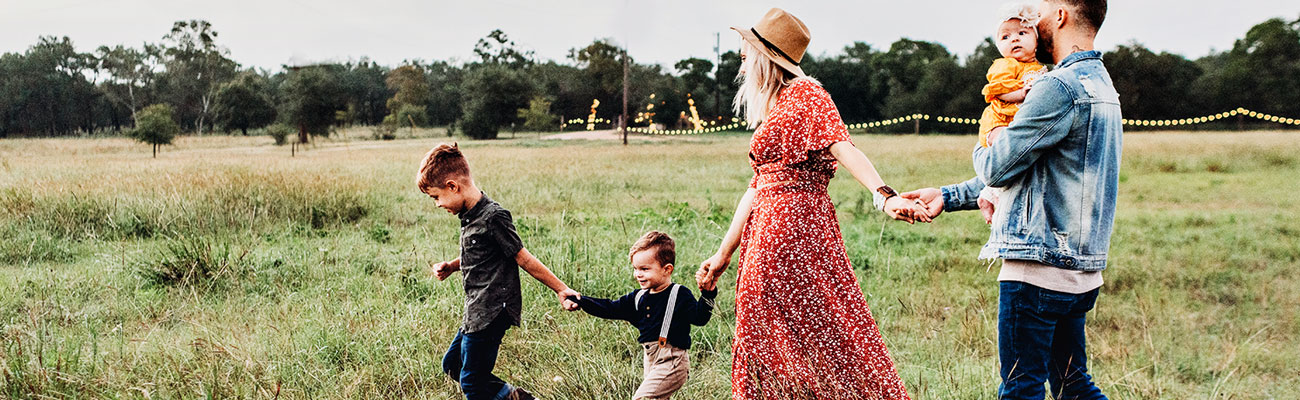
{"points": [[442, 163], [665, 250]]}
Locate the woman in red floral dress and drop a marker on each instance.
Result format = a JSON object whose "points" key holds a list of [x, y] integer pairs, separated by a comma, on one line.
{"points": [[803, 328]]}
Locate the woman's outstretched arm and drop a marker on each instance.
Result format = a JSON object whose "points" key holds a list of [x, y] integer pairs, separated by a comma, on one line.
{"points": [[857, 163], [711, 269]]}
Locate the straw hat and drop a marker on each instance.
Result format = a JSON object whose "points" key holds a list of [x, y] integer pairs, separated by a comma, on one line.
{"points": [[784, 37]]}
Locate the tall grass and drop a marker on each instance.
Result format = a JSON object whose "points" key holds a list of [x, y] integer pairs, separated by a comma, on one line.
{"points": [[226, 268]]}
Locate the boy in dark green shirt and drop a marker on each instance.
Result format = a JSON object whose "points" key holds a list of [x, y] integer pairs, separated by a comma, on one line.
{"points": [[490, 257]]}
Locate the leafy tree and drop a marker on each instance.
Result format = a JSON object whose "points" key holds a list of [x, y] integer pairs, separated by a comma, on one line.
{"points": [[696, 78], [444, 92], [411, 94], [852, 80], [130, 72], [312, 95], [602, 64], [156, 126], [196, 66], [1262, 71], [365, 91], [537, 117], [407, 115], [492, 94], [498, 49], [727, 74], [1147, 81], [566, 89], [46, 90], [244, 103]]}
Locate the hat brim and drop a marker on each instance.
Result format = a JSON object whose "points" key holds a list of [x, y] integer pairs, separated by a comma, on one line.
{"points": [[748, 36]]}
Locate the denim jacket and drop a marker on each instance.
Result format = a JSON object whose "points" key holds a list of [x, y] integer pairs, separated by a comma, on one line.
{"points": [[1058, 163]]}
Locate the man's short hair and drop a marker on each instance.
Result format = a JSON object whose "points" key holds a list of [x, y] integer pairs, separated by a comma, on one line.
{"points": [[665, 250], [442, 163], [1091, 12]]}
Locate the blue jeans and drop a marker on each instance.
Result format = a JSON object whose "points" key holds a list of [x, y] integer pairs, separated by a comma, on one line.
{"points": [[1041, 338], [472, 356]]}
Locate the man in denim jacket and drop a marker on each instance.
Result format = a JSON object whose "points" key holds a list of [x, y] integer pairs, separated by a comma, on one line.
{"points": [[1059, 165]]}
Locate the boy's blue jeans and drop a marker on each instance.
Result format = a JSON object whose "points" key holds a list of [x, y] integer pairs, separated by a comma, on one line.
{"points": [[1040, 338], [472, 356]]}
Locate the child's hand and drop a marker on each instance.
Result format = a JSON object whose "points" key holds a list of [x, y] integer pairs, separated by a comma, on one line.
{"points": [[993, 134], [565, 301], [444, 269], [707, 276], [987, 202], [703, 284]]}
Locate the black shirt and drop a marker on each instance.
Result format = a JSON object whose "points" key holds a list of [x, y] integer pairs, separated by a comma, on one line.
{"points": [[649, 317], [488, 245]]}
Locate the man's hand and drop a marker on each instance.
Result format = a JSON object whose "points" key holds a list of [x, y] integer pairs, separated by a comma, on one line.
{"points": [[987, 201], [567, 304], [444, 269], [906, 210], [707, 276], [931, 198]]}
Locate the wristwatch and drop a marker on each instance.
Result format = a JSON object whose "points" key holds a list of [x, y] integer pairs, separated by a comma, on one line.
{"points": [[882, 193]]}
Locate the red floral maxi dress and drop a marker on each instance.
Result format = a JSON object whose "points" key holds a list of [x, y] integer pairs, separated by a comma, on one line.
{"points": [[803, 329]]}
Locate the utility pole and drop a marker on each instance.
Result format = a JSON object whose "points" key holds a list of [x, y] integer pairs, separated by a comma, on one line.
{"points": [[623, 121], [717, 80]]}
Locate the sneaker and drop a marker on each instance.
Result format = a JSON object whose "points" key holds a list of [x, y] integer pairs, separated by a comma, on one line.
{"points": [[520, 394]]}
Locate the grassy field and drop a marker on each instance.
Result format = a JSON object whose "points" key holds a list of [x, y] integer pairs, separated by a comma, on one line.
{"points": [[226, 269]]}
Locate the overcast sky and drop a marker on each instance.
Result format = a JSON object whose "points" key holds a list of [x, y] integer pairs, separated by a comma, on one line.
{"points": [[270, 33]]}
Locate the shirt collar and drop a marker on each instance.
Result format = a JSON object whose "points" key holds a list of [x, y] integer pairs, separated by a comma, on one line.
{"points": [[474, 212], [1079, 56]]}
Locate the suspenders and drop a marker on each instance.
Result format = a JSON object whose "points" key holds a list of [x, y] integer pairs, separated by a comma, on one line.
{"points": [[668, 314]]}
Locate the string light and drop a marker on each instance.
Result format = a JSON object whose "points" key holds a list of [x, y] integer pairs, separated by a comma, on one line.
{"points": [[738, 124]]}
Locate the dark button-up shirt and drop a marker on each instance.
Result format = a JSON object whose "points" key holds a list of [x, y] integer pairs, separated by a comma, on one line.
{"points": [[648, 317], [488, 245]]}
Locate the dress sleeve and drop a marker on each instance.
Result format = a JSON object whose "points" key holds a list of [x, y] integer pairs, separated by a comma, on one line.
{"points": [[815, 125], [1003, 78]]}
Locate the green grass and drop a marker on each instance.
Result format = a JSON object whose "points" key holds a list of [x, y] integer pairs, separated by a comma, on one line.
{"points": [[225, 268]]}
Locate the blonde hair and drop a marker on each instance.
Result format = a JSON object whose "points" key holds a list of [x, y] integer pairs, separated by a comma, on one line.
{"points": [[759, 85]]}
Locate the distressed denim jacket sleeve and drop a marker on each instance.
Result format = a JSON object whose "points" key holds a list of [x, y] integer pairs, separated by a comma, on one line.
{"points": [[1044, 120]]}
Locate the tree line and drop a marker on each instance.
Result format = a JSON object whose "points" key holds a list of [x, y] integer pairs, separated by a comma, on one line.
{"points": [[55, 89]]}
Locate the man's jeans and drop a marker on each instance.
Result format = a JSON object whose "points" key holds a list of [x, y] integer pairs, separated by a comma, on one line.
{"points": [[1040, 338], [472, 356]]}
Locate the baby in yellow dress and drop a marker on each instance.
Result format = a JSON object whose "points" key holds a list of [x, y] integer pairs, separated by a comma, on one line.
{"points": [[1011, 76], [1010, 79]]}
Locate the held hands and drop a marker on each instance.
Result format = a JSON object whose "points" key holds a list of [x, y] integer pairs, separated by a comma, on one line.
{"points": [[707, 276], [931, 199], [906, 210], [568, 299]]}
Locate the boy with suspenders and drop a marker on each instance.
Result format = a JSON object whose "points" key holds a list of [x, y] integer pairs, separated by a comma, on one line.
{"points": [[661, 311]]}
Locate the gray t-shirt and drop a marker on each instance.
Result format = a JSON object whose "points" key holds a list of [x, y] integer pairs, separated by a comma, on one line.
{"points": [[488, 245]]}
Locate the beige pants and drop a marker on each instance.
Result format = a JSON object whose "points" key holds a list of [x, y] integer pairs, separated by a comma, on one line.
{"points": [[666, 368]]}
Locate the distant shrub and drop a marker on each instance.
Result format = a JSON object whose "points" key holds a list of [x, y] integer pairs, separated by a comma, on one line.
{"points": [[156, 125]]}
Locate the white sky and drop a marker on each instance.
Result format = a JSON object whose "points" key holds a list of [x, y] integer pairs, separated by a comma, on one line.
{"points": [[269, 33]]}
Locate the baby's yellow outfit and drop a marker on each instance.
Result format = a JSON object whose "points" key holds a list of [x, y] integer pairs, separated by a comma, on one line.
{"points": [[1005, 76]]}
